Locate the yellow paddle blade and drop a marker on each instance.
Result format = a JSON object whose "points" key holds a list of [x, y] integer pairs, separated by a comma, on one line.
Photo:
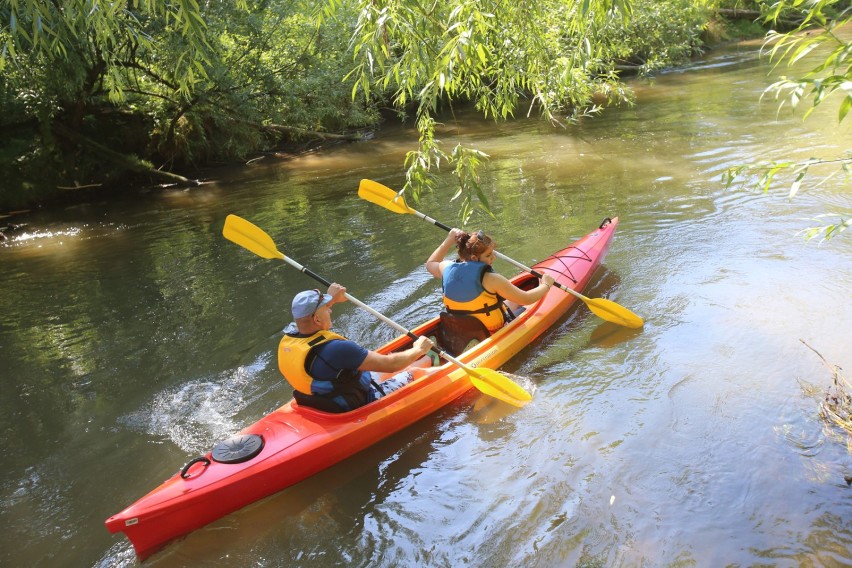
{"points": [[250, 236], [374, 192], [610, 311], [494, 384]]}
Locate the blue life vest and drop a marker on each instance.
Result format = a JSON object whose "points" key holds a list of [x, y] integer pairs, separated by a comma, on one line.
{"points": [[465, 295]]}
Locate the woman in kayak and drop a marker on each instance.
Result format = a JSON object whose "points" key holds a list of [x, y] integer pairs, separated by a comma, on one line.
{"points": [[330, 372], [473, 291]]}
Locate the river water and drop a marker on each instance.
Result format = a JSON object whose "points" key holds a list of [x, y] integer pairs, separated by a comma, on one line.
{"points": [[134, 337]]}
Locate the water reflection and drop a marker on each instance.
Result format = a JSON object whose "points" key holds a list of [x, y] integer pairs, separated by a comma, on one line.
{"points": [[608, 334]]}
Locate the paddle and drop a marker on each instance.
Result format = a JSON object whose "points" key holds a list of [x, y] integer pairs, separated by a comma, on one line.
{"points": [[374, 192], [488, 381]]}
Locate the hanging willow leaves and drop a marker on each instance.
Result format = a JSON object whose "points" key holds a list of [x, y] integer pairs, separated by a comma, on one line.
{"points": [[494, 54], [815, 38]]}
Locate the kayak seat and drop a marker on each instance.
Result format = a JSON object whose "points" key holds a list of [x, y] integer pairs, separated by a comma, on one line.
{"points": [[317, 402], [456, 332]]}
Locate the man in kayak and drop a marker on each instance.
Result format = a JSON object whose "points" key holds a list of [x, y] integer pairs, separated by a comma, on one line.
{"points": [[330, 372], [475, 297]]}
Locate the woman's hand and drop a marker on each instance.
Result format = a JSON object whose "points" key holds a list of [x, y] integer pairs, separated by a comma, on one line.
{"points": [[422, 346], [433, 264], [455, 234]]}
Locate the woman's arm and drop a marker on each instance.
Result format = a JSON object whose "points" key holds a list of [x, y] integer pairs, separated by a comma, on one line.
{"points": [[435, 262], [499, 284]]}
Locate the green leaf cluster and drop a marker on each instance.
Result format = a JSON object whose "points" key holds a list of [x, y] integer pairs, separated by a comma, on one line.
{"points": [[178, 84], [817, 35]]}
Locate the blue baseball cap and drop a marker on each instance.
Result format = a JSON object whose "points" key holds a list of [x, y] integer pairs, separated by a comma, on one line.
{"points": [[307, 302]]}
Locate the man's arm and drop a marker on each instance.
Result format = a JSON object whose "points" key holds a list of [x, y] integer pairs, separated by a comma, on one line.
{"points": [[393, 362]]}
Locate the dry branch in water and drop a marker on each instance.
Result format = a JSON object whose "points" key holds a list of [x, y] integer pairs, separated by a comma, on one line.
{"points": [[836, 406]]}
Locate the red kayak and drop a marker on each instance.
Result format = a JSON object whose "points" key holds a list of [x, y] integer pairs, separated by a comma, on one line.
{"points": [[295, 442]]}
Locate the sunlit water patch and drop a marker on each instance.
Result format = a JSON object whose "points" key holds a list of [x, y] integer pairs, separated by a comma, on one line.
{"points": [[26, 237]]}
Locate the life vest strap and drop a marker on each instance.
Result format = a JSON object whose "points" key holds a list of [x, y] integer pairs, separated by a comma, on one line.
{"points": [[318, 402], [487, 309]]}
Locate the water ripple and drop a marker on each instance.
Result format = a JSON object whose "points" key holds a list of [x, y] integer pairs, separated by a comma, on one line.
{"points": [[197, 413]]}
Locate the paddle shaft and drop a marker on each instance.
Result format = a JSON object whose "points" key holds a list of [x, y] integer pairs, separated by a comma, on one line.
{"points": [[349, 297], [381, 316]]}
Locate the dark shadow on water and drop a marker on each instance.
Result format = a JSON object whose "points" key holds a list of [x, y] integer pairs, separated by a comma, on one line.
{"points": [[610, 334], [604, 283]]}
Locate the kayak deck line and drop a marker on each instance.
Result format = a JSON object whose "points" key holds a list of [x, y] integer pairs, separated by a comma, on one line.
{"points": [[298, 441]]}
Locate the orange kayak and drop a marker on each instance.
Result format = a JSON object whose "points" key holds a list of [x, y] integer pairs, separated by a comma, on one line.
{"points": [[295, 442]]}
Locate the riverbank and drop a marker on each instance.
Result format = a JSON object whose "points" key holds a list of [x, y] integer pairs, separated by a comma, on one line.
{"points": [[14, 219], [70, 145]]}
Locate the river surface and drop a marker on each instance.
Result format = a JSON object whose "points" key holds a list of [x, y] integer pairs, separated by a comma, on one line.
{"points": [[134, 337]]}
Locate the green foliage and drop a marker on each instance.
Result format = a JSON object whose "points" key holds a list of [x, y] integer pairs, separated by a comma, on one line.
{"points": [[466, 161], [555, 57], [660, 34], [78, 64], [178, 84], [202, 82], [744, 29], [106, 33], [827, 231], [831, 75], [492, 54]]}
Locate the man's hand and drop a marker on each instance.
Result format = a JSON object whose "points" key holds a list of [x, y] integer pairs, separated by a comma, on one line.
{"points": [[337, 293], [422, 346]]}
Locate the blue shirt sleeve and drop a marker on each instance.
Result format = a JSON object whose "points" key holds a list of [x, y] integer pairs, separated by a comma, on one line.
{"points": [[336, 355]]}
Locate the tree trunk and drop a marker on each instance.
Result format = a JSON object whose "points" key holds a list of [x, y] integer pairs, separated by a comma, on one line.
{"points": [[354, 137], [737, 13], [311, 133]]}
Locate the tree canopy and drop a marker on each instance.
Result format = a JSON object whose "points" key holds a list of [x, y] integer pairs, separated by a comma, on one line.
{"points": [[92, 91], [493, 54]]}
